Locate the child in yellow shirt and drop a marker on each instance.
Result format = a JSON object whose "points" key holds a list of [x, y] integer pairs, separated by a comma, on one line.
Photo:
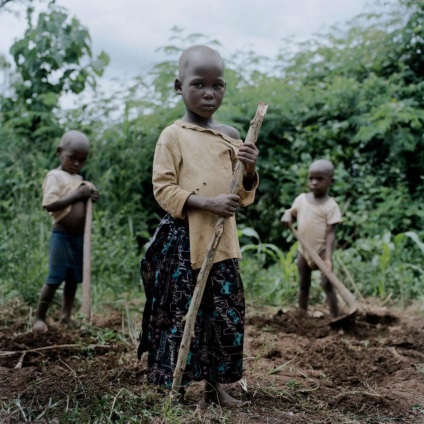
{"points": [[317, 216]]}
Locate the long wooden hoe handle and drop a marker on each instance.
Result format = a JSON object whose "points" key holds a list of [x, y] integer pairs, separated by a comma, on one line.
{"points": [[190, 318], [346, 295], [86, 271]]}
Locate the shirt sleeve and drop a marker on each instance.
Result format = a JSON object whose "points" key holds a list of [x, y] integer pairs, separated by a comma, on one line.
{"points": [[51, 190], [295, 206], [334, 215], [247, 197], [166, 164]]}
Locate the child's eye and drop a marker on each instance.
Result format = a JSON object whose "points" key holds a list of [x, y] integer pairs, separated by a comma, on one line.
{"points": [[198, 84], [218, 86]]}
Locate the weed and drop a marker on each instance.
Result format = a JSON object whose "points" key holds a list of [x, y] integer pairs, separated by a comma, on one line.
{"points": [[420, 369], [418, 408], [293, 384]]}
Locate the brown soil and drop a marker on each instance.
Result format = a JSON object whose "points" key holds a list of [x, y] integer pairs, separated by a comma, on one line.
{"points": [[298, 370]]}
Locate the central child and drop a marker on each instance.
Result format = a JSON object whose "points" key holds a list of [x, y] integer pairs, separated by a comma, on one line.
{"points": [[193, 167]]}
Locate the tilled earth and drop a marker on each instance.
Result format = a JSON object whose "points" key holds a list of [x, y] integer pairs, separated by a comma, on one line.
{"points": [[297, 370]]}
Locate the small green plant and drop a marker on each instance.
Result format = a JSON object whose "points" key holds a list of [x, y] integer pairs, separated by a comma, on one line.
{"points": [[418, 408], [420, 369], [293, 384], [275, 278], [384, 266], [28, 412]]}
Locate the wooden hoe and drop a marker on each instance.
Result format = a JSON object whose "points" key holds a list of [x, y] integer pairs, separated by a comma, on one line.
{"points": [[86, 270], [345, 294]]}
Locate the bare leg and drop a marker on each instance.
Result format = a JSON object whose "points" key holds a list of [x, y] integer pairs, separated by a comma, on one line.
{"points": [[304, 282], [331, 294], [68, 301], [46, 297], [214, 393]]}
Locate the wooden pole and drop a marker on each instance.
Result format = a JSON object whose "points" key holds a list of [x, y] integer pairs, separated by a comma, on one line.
{"points": [[190, 318], [86, 271]]}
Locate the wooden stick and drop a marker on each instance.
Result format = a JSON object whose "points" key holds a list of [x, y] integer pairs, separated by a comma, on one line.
{"points": [[346, 295], [63, 346], [190, 318], [86, 273]]}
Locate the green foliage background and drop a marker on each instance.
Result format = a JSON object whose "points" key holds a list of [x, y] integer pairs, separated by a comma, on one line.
{"points": [[354, 95]]}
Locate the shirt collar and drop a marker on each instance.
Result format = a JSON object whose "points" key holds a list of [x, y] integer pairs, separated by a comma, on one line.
{"points": [[188, 125]]}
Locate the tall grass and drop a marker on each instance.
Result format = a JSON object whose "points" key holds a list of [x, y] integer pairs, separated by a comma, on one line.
{"points": [[268, 273], [382, 266], [23, 253], [24, 256], [387, 266]]}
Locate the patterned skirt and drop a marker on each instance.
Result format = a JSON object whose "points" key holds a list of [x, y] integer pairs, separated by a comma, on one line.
{"points": [[216, 351]]}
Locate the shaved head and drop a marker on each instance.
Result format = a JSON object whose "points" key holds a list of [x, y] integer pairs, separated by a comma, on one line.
{"points": [[203, 53], [74, 138], [322, 165]]}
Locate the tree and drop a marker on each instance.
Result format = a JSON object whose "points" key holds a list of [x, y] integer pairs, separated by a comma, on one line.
{"points": [[54, 57]]}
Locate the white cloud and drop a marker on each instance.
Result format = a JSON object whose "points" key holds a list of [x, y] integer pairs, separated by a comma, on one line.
{"points": [[131, 31]]}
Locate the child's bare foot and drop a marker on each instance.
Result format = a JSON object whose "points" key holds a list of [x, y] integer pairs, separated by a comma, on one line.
{"points": [[317, 314], [40, 326], [219, 396]]}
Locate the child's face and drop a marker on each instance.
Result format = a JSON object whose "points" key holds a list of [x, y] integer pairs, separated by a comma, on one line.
{"points": [[72, 157], [202, 87], [319, 181]]}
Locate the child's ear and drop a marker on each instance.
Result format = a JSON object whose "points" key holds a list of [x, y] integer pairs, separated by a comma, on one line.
{"points": [[59, 150], [177, 86]]}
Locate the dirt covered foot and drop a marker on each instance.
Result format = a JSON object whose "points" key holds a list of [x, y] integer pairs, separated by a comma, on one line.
{"points": [[216, 394], [40, 326]]}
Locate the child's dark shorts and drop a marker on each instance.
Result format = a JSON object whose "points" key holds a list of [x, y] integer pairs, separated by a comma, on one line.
{"points": [[65, 258]]}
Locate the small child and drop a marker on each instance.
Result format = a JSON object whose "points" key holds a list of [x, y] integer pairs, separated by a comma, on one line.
{"points": [[64, 197], [192, 170], [317, 216]]}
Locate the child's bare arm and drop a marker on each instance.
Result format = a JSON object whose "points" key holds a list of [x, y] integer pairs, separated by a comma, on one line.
{"points": [[287, 218], [82, 192], [330, 242], [222, 205]]}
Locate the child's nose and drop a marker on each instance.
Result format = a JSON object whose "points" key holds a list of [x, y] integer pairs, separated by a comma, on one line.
{"points": [[208, 94]]}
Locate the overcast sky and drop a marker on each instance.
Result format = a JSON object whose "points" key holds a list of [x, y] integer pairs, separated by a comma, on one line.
{"points": [[131, 31]]}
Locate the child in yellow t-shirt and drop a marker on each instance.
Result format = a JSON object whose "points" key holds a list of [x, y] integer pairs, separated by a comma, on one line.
{"points": [[317, 216], [64, 197]]}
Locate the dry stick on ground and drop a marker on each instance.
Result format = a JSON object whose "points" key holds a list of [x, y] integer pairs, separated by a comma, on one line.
{"points": [[38, 349], [63, 346], [190, 318], [86, 272]]}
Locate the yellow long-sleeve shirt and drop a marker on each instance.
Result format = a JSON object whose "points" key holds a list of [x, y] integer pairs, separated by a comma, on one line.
{"points": [[193, 160]]}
